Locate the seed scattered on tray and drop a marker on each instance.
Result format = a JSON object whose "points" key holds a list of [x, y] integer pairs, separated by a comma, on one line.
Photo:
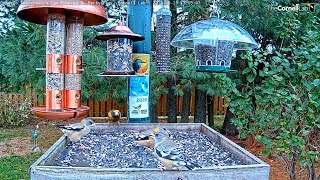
{"points": [[117, 150]]}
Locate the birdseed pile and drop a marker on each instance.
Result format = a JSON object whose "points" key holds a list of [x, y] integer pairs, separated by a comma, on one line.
{"points": [[117, 149]]}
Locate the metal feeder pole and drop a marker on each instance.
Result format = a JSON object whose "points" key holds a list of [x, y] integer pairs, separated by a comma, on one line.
{"points": [[139, 12]]}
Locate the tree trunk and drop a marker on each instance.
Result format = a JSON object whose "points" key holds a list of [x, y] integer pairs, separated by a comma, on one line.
{"points": [[292, 172], [172, 101], [186, 105], [312, 171], [210, 111], [200, 107], [153, 113], [228, 128]]}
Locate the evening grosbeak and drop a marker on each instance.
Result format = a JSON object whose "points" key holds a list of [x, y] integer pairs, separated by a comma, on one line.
{"points": [[78, 130], [167, 153], [114, 116], [145, 137]]}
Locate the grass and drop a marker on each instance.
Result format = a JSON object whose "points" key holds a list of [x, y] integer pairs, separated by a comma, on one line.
{"points": [[8, 134], [16, 167]]}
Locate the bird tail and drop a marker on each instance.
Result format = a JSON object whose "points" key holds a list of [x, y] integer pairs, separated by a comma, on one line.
{"points": [[58, 125], [191, 166], [61, 127]]}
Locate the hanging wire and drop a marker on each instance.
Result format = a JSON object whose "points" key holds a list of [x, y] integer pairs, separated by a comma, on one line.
{"points": [[124, 18], [163, 3], [214, 9]]}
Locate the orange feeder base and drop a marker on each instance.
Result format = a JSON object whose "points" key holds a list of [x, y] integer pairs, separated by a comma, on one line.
{"points": [[66, 114]]}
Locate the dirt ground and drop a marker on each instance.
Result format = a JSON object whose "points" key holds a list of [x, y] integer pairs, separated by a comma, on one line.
{"points": [[17, 146], [276, 170]]}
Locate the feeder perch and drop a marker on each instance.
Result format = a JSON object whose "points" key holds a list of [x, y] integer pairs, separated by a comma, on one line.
{"points": [[214, 41], [119, 49], [65, 21], [163, 31]]}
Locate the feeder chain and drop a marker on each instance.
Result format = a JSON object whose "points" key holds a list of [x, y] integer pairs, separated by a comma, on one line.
{"points": [[214, 9]]}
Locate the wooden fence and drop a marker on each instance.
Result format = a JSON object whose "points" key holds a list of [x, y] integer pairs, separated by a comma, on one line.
{"points": [[100, 108]]}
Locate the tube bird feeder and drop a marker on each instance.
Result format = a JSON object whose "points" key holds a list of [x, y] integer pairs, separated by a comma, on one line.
{"points": [[119, 49], [74, 61], [65, 21], [163, 31]]}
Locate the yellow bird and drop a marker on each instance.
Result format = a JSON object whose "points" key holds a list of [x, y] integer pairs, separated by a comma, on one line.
{"points": [[145, 138], [78, 130], [114, 116], [167, 153]]}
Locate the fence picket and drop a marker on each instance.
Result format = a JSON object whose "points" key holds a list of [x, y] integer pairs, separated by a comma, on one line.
{"points": [[101, 108]]}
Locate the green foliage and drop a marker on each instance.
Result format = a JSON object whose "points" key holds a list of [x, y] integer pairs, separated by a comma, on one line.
{"points": [[94, 57], [157, 84], [7, 13], [16, 167], [21, 51], [280, 102], [11, 133], [218, 84], [13, 114]]}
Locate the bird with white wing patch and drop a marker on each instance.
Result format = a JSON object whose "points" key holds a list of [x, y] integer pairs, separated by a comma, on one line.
{"points": [[78, 130], [168, 154]]}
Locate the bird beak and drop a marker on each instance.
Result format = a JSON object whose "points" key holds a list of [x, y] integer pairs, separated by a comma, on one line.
{"points": [[94, 125], [151, 136], [143, 62]]}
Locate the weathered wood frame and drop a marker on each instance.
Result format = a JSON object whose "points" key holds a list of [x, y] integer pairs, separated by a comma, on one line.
{"points": [[255, 169]]}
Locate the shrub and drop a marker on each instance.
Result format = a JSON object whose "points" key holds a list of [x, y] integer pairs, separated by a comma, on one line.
{"points": [[13, 113], [280, 102]]}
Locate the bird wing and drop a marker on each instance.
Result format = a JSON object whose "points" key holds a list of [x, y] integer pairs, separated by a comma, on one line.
{"points": [[77, 135], [168, 150], [170, 156], [141, 137], [135, 66], [110, 115], [144, 135], [71, 127]]}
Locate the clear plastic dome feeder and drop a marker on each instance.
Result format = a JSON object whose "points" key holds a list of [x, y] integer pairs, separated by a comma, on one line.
{"points": [[119, 49], [214, 41]]}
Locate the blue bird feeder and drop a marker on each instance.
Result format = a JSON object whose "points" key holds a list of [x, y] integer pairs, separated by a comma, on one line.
{"points": [[214, 41], [120, 46]]}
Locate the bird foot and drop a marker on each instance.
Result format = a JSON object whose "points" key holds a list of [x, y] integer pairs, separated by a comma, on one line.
{"points": [[162, 167]]}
